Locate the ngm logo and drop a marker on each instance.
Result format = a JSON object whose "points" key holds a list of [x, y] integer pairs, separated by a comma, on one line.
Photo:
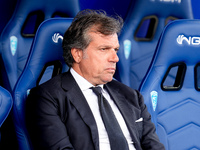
{"points": [[190, 40], [172, 1]]}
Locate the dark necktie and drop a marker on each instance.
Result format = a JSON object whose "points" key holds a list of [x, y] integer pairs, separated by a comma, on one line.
{"points": [[115, 135]]}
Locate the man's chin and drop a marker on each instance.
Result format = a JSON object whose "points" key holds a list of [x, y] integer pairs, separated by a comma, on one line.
{"points": [[108, 80]]}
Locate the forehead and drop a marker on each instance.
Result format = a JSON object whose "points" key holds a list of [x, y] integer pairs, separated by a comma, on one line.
{"points": [[101, 39]]}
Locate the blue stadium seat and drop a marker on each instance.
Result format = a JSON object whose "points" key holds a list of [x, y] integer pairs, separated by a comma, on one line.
{"points": [[195, 8], [174, 103], [112, 7], [17, 36], [143, 26], [6, 103], [45, 54]]}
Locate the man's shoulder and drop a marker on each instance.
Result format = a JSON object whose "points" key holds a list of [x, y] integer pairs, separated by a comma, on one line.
{"points": [[57, 80], [116, 84], [54, 83], [122, 87], [133, 96]]}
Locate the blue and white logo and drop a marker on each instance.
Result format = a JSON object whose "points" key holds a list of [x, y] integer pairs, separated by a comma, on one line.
{"points": [[127, 48], [56, 37], [154, 99], [28, 92], [190, 40], [13, 44]]}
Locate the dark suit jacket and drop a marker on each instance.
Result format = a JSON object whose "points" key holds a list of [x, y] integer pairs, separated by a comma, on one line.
{"points": [[59, 117]]}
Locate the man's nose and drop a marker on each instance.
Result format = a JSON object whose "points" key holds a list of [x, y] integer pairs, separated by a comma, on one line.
{"points": [[114, 57]]}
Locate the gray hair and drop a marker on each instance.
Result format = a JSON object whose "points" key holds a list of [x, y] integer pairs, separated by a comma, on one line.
{"points": [[77, 36]]}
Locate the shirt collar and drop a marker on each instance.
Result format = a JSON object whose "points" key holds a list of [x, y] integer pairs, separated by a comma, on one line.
{"points": [[82, 82]]}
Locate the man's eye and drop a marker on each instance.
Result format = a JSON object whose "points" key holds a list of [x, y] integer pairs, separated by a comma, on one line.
{"points": [[103, 49]]}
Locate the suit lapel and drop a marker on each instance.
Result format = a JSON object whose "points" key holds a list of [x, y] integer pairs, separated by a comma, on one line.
{"points": [[126, 111], [75, 95]]}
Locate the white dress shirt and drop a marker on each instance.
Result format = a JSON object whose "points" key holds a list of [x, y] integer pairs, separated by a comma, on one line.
{"points": [[93, 104]]}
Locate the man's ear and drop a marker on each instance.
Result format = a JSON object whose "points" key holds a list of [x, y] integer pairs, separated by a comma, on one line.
{"points": [[77, 54]]}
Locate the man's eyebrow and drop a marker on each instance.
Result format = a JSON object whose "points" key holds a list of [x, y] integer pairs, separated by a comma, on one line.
{"points": [[108, 46]]}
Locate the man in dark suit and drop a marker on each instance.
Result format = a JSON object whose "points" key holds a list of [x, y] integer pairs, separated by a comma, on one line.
{"points": [[66, 112]]}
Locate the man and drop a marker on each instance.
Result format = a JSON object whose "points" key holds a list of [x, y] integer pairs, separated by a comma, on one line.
{"points": [[66, 112]]}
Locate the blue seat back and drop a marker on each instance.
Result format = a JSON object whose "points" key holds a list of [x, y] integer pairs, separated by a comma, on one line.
{"points": [[6, 103], [17, 36], [142, 28], [195, 8], [46, 53], [112, 7], [175, 106]]}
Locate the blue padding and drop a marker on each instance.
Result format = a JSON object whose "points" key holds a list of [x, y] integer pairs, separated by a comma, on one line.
{"points": [[6, 103], [112, 7], [195, 8], [175, 112], [47, 47], [14, 47], [135, 56]]}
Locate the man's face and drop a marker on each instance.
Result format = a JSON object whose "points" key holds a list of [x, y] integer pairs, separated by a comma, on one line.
{"points": [[99, 59]]}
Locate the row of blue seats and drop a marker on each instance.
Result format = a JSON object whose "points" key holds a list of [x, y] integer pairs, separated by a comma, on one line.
{"points": [[138, 41], [174, 108], [145, 26], [7, 8]]}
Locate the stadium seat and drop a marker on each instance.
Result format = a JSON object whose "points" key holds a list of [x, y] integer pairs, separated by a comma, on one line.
{"points": [[6, 103], [45, 54], [142, 28], [112, 7], [174, 103], [17, 36]]}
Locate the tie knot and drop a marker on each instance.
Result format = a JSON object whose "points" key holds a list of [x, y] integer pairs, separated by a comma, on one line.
{"points": [[97, 90]]}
